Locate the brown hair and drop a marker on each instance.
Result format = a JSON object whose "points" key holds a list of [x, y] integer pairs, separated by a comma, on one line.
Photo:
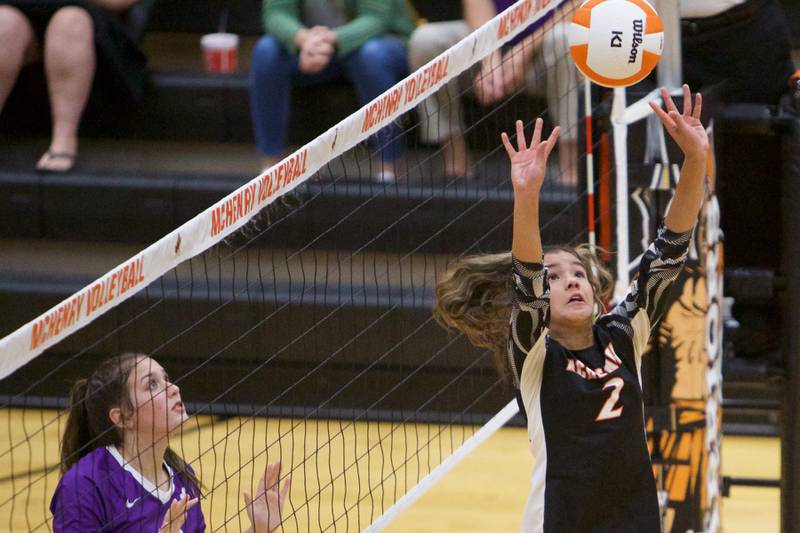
{"points": [[88, 424], [474, 296]]}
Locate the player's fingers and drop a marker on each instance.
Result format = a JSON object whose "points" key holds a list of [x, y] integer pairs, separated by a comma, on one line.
{"points": [[537, 133], [662, 116], [262, 486], [285, 490], [248, 504], [677, 120], [668, 103], [178, 506], [521, 143], [521, 136], [554, 135], [272, 475], [184, 506], [698, 106], [551, 141], [191, 503], [687, 100], [507, 143], [176, 514]]}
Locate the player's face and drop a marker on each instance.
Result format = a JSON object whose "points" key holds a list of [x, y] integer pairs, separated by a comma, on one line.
{"points": [[157, 401], [571, 294]]}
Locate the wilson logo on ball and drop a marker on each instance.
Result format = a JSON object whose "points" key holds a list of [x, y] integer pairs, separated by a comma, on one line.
{"points": [[616, 43]]}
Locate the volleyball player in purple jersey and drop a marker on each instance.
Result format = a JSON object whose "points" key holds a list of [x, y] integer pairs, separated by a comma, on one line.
{"points": [[118, 471], [577, 372]]}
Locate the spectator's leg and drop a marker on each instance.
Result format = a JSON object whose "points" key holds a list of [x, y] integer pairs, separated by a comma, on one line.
{"points": [[16, 35], [271, 76], [442, 115], [373, 68], [69, 61]]}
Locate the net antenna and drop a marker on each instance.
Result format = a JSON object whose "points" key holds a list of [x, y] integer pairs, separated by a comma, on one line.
{"points": [[670, 66]]}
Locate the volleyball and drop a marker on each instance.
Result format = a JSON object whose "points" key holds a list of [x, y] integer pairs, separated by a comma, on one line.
{"points": [[616, 43]]}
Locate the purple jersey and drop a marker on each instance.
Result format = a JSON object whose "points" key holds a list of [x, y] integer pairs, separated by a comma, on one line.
{"points": [[101, 492]]}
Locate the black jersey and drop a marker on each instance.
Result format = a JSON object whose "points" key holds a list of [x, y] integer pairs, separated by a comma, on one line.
{"points": [[592, 470]]}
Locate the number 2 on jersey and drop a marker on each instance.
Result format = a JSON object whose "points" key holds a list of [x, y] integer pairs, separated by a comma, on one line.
{"points": [[609, 409]]}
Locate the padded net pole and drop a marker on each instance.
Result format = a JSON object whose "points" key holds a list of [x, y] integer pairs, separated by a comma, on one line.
{"points": [[790, 267], [670, 66]]}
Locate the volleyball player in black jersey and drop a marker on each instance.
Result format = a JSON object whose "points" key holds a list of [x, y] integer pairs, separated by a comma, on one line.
{"points": [[578, 371]]}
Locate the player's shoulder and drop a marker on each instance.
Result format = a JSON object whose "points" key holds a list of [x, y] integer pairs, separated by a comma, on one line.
{"points": [[615, 323], [182, 482], [94, 467], [617, 330], [91, 479]]}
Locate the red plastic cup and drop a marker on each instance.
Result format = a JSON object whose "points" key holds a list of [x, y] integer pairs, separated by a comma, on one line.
{"points": [[220, 52]]}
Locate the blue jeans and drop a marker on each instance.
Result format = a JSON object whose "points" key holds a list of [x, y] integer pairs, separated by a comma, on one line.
{"points": [[376, 66]]}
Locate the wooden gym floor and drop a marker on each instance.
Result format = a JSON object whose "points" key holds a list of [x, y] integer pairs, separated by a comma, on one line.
{"points": [[485, 493]]}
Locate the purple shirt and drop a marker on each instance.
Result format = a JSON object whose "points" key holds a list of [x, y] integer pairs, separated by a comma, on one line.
{"points": [[103, 493], [502, 5]]}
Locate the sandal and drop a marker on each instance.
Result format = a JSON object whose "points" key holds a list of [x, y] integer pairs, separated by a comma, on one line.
{"points": [[50, 156]]}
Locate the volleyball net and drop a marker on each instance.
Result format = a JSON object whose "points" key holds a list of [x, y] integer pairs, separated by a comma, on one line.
{"points": [[295, 313]]}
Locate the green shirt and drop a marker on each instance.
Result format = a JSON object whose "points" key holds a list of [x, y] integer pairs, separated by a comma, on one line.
{"points": [[368, 19]]}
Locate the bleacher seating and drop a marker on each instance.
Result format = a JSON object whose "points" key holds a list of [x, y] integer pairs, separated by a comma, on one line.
{"points": [[137, 203]]}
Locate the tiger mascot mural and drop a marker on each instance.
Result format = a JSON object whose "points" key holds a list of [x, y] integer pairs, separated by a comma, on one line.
{"points": [[688, 354]]}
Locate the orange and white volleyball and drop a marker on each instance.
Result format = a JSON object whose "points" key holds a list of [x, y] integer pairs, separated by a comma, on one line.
{"points": [[616, 43]]}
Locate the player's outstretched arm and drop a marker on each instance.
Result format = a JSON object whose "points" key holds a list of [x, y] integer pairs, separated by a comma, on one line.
{"points": [[528, 166], [690, 135], [530, 302], [663, 261]]}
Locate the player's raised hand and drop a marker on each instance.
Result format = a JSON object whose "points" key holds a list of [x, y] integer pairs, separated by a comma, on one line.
{"points": [[265, 509], [176, 515], [529, 162], [685, 128]]}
